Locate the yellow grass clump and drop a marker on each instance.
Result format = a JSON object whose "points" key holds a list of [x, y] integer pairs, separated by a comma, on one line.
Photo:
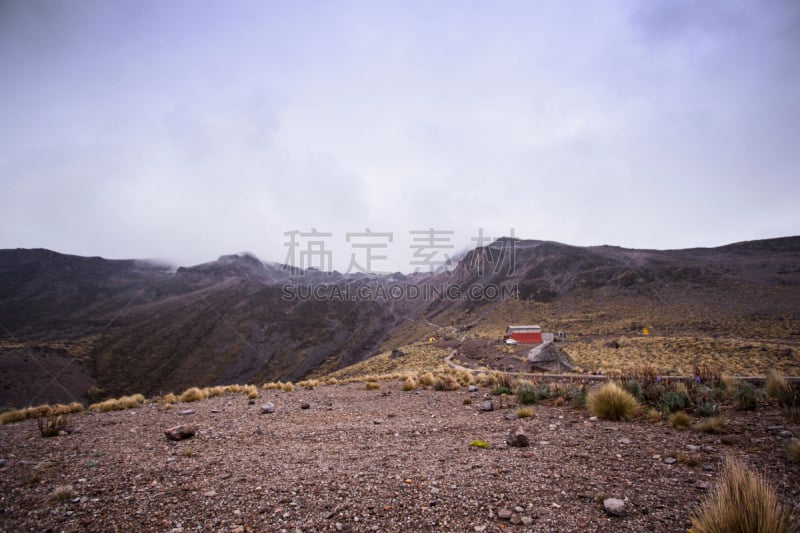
{"points": [[680, 421], [742, 501], [287, 387], [612, 402], [192, 394], [409, 384], [524, 412]]}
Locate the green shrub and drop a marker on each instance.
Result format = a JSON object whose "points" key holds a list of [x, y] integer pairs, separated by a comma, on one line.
{"points": [[479, 444], [498, 391], [612, 402], [635, 388], [673, 400], [707, 409], [743, 502], [744, 396], [526, 393], [577, 397]]}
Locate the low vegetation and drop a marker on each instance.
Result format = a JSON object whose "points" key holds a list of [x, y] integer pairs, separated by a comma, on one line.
{"points": [[715, 425], [680, 421], [612, 402], [742, 501]]}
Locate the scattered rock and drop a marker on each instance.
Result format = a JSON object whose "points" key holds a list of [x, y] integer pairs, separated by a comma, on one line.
{"points": [[612, 344], [510, 416], [397, 354], [625, 441], [180, 432], [504, 514], [527, 520], [186, 412], [377, 421], [487, 405], [670, 460], [267, 408], [305, 405], [692, 447], [614, 507], [517, 437], [472, 388], [593, 419]]}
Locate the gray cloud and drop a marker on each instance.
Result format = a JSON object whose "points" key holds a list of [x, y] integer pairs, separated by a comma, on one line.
{"points": [[185, 130]]}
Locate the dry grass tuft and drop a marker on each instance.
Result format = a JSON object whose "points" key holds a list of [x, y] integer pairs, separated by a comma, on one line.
{"points": [[612, 402], [61, 494], [169, 398], [74, 407], [371, 385], [680, 421], [192, 395], [427, 380], [287, 387], [524, 412], [409, 384], [717, 424], [742, 501], [118, 404], [776, 387]]}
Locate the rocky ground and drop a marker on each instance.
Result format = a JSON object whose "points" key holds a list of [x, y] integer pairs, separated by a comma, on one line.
{"points": [[371, 460]]}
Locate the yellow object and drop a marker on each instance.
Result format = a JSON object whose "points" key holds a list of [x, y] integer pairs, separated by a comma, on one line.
{"points": [[431, 339], [645, 331]]}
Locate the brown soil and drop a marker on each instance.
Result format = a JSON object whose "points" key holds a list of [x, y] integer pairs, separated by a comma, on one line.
{"points": [[361, 460]]}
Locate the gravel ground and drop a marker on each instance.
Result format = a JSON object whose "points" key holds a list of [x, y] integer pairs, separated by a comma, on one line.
{"points": [[361, 460]]}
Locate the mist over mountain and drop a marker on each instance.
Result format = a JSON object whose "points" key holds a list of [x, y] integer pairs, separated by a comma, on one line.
{"points": [[70, 322]]}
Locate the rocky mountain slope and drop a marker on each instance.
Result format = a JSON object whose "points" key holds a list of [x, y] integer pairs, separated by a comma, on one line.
{"points": [[138, 326]]}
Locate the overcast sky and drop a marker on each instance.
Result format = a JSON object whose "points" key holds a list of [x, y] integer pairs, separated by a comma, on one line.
{"points": [[183, 130]]}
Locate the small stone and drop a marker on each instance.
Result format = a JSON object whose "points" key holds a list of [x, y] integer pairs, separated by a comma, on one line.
{"points": [[510, 416], [210, 494], [708, 448], [517, 437], [692, 447], [593, 419], [625, 441], [518, 509], [180, 432], [339, 526], [267, 408], [670, 460], [785, 434], [504, 514], [472, 388], [527, 520], [515, 519], [479, 529], [216, 410], [487, 405], [251, 401], [186, 412], [377, 421], [614, 507], [305, 405]]}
